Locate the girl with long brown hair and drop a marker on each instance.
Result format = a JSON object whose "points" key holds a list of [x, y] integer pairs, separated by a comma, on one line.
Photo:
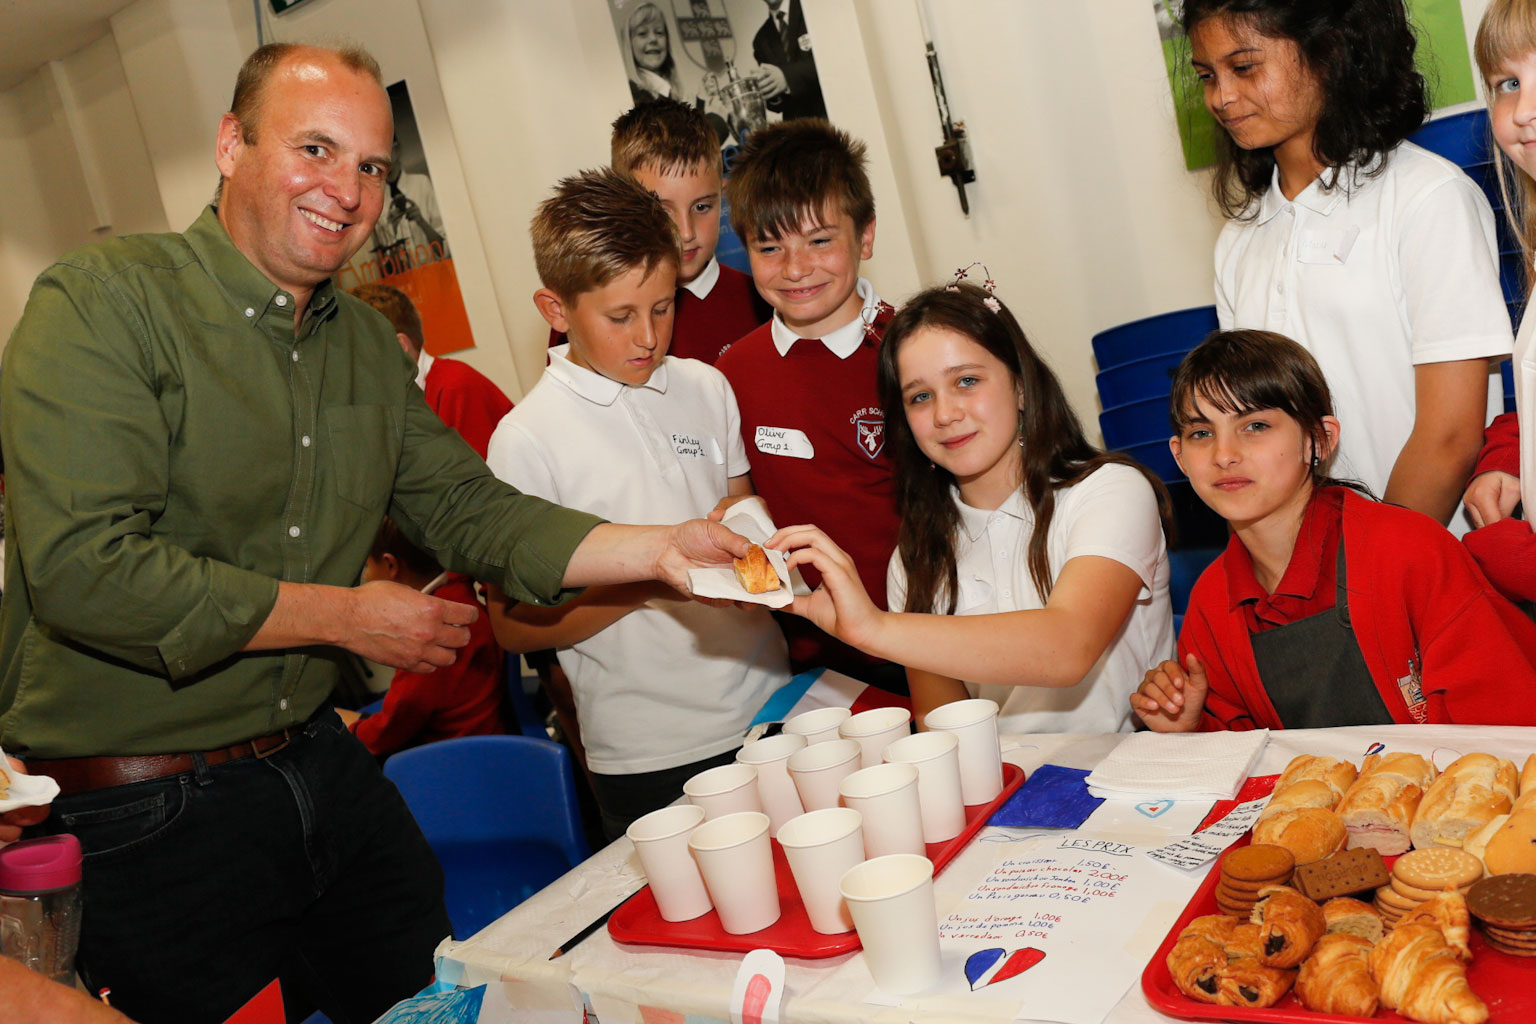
{"points": [[1031, 566]]}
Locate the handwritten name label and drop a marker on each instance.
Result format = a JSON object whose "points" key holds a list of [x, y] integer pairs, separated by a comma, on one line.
{"points": [[785, 441], [689, 446]]}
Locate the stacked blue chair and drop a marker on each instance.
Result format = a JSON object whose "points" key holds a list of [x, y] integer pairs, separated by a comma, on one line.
{"points": [[500, 812], [1136, 363], [1464, 139]]}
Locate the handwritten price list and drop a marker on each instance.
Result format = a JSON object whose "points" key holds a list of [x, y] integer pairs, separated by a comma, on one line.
{"points": [[1079, 874]]}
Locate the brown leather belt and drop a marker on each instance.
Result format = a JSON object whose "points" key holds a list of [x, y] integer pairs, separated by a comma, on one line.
{"points": [[84, 774]]}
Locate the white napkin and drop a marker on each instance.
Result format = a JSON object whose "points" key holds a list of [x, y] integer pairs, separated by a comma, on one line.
{"points": [[1178, 765], [26, 790], [750, 519]]}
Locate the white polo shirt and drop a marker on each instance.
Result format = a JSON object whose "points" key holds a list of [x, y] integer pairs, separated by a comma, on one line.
{"points": [[1396, 271], [672, 682], [1112, 514]]}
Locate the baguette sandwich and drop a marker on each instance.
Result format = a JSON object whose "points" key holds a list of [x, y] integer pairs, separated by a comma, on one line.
{"points": [[1378, 810], [1474, 790], [1310, 782]]}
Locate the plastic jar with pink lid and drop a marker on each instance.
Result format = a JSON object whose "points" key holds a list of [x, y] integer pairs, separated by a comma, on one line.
{"points": [[40, 905]]}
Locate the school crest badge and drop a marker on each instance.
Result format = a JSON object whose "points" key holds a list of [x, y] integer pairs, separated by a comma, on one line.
{"points": [[871, 435]]}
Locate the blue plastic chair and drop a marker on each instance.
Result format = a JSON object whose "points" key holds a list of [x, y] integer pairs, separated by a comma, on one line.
{"points": [[1178, 331], [1138, 379], [1156, 457], [1460, 138], [500, 812], [1135, 423]]}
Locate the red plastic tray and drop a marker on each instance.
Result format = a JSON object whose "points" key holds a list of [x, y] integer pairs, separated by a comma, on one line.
{"points": [[1506, 983], [638, 920]]}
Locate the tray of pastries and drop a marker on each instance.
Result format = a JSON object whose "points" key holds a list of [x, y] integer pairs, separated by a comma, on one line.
{"points": [[1390, 910]]}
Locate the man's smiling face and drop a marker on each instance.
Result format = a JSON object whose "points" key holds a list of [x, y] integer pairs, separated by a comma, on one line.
{"points": [[301, 195]]}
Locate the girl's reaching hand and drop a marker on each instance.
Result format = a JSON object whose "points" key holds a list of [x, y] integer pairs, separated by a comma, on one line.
{"points": [[840, 606], [1170, 698]]}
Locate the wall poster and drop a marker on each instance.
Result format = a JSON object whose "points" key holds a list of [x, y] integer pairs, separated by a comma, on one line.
{"points": [[409, 247]]}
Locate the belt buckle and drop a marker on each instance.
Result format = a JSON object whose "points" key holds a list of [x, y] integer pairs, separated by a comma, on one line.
{"points": [[262, 755]]}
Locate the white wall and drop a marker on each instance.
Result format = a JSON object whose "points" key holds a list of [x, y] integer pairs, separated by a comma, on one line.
{"points": [[1082, 208]]}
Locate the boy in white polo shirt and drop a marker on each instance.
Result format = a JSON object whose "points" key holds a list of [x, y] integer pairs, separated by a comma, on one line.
{"points": [[664, 686]]}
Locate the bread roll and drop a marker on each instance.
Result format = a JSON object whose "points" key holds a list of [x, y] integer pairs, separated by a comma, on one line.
{"points": [[1337, 775], [755, 573], [1345, 916], [1378, 809], [1311, 833], [1512, 847], [1476, 842], [1466, 796]]}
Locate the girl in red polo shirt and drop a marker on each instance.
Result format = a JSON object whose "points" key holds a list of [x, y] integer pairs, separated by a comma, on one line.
{"points": [[1327, 608]]}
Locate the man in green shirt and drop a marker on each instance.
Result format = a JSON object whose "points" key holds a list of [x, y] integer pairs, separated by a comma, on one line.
{"points": [[202, 435]]}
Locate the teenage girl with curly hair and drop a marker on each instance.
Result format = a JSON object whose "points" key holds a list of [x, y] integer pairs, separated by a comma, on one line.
{"points": [[1377, 256]]}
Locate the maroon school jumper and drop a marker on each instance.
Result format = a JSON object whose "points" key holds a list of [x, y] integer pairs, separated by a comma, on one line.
{"points": [[846, 488], [704, 328]]}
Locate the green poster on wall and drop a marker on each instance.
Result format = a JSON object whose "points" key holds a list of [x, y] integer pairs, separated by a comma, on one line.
{"points": [[1442, 57]]}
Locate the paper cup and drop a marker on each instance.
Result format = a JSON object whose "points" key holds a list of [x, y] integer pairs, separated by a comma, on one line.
{"points": [[817, 770], [974, 723], [935, 756], [661, 840], [781, 801], [886, 795], [821, 846], [874, 730], [819, 726], [724, 790], [891, 900], [737, 864]]}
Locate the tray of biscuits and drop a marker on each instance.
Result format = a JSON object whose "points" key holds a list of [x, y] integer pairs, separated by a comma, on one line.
{"points": [[1386, 913]]}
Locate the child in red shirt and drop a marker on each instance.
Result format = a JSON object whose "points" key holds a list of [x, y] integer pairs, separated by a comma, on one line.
{"points": [[1328, 608], [462, 699], [805, 381], [671, 149]]}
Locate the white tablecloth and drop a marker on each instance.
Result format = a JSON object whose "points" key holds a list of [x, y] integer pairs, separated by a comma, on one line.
{"points": [[620, 980]]}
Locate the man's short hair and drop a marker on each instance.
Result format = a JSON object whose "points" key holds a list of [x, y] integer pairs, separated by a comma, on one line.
{"points": [[664, 136], [251, 82], [793, 172], [264, 60], [598, 226], [397, 308]]}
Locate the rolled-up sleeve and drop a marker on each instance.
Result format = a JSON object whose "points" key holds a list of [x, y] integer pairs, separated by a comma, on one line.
{"points": [[448, 501], [89, 476]]}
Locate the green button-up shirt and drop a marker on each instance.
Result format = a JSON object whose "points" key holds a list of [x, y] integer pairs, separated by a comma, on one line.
{"points": [[173, 449]]}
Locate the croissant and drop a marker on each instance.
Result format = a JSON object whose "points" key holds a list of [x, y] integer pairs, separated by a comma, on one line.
{"points": [[1192, 964], [1421, 978], [1289, 924], [1337, 978], [1448, 913], [754, 572], [1247, 982], [1215, 927]]}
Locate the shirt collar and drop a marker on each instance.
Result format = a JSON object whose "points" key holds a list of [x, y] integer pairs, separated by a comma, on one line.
{"points": [[248, 289], [1321, 521], [653, 82], [845, 340], [974, 521], [423, 367], [701, 286], [1314, 197], [593, 386]]}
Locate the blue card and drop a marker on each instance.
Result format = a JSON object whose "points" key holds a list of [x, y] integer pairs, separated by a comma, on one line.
{"points": [[1052, 797]]}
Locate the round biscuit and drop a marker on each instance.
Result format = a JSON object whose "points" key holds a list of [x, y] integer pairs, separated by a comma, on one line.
{"points": [[1514, 948], [1413, 892], [1258, 863], [1392, 898], [1245, 887], [1512, 935], [1436, 867], [1508, 901]]}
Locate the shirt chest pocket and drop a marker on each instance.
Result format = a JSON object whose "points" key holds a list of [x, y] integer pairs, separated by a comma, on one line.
{"points": [[363, 452]]}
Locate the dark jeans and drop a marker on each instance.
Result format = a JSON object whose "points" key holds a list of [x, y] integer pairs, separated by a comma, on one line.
{"points": [[623, 798], [199, 889]]}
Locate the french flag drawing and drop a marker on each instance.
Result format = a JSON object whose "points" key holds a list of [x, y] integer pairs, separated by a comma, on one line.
{"points": [[990, 966]]}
